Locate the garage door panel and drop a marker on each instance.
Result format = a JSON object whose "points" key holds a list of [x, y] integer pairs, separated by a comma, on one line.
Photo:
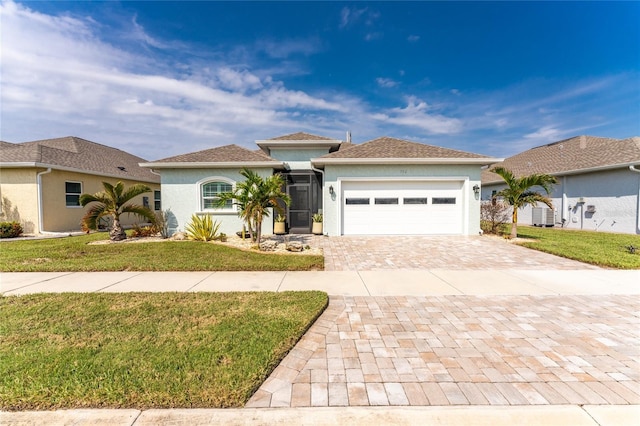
{"points": [[402, 208]]}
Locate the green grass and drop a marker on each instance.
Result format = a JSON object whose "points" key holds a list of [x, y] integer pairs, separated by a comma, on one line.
{"points": [[597, 248], [144, 350], [74, 254]]}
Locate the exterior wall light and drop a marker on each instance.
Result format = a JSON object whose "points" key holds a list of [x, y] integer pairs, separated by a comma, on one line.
{"points": [[331, 191], [476, 190]]}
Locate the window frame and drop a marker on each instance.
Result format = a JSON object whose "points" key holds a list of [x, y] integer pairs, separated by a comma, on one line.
{"points": [[78, 194], [157, 200], [201, 197]]}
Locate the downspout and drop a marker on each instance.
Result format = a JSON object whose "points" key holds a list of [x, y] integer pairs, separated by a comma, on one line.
{"points": [[633, 169], [324, 228], [40, 207]]}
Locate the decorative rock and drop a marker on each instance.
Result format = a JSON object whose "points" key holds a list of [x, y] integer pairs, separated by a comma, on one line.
{"points": [[179, 236], [294, 246], [268, 245]]}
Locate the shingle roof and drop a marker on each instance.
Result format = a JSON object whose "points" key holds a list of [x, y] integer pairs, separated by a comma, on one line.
{"points": [[570, 155], [80, 154], [300, 136], [386, 147], [222, 154]]}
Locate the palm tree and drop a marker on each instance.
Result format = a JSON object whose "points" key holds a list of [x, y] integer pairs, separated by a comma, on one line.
{"points": [[112, 202], [519, 194], [254, 197]]}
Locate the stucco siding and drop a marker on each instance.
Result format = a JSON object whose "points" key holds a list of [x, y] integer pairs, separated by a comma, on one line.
{"points": [[58, 217], [613, 193], [335, 174], [297, 158], [19, 195], [181, 194]]}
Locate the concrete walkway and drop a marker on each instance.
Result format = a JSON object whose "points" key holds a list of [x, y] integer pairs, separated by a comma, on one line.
{"points": [[436, 282], [458, 347]]}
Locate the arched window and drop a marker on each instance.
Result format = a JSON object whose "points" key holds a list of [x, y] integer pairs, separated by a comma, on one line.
{"points": [[210, 195]]}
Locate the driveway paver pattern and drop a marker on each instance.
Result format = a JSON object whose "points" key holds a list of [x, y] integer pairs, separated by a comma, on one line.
{"points": [[350, 253], [463, 350]]}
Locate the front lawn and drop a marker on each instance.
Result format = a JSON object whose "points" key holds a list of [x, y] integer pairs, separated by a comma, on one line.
{"points": [[74, 254], [597, 248], [145, 350]]}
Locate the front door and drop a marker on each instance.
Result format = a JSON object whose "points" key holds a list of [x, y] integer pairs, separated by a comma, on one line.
{"points": [[304, 189]]}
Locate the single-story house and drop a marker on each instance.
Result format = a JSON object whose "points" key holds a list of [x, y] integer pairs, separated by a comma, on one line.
{"points": [[598, 183], [41, 181], [384, 186]]}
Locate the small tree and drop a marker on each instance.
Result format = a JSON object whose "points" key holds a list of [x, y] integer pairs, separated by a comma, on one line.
{"points": [[254, 197], [519, 194], [494, 215], [112, 202]]}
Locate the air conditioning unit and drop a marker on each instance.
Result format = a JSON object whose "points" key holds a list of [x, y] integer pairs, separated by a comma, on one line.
{"points": [[542, 216]]}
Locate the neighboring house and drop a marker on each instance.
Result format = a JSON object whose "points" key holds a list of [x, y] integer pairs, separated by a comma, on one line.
{"points": [[598, 182], [41, 181], [384, 186]]}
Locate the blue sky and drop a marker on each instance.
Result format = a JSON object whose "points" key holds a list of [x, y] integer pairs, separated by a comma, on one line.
{"points": [[163, 78]]}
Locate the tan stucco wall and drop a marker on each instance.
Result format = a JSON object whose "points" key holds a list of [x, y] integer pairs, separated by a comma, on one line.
{"points": [[19, 195], [60, 218], [19, 186]]}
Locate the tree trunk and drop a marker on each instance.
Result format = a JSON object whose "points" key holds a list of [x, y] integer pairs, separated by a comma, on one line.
{"points": [[117, 233], [514, 226]]}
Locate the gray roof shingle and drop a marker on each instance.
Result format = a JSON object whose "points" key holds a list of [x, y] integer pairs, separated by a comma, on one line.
{"points": [[300, 136], [79, 154], [570, 155], [386, 147], [221, 154]]}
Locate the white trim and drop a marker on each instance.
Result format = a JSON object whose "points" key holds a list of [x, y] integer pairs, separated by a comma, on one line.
{"points": [[200, 208], [74, 170], [485, 160], [40, 206], [214, 165], [463, 179]]}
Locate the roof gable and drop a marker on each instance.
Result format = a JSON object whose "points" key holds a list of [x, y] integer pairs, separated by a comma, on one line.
{"points": [[570, 156], [72, 153], [300, 136]]}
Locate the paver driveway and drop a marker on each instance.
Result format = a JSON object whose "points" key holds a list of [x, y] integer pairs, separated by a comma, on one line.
{"points": [[463, 350], [347, 253]]}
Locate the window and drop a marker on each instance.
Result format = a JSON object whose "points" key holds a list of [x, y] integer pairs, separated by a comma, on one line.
{"points": [[157, 205], [415, 200], [450, 200], [210, 192], [72, 193], [357, 201], [386, 201], [145, 202]]}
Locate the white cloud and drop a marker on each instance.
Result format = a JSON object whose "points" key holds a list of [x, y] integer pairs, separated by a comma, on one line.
{"points": [[413, 38], [386, 82], [416, 114], [284, 48], [349, 15]]}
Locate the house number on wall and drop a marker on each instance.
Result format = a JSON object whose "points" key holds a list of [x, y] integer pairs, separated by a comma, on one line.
{"points": [[403, 171]]}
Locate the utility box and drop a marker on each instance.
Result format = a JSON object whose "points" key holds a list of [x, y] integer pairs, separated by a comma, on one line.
{"points": [[542, 216]]}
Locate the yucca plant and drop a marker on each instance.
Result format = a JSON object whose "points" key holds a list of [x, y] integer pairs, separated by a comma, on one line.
{"points": [[202, 228]]}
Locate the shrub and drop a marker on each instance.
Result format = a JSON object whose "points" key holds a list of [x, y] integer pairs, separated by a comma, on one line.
{"points": [[161, 223], [494, 216], [144, 231], [202, 228], [10, 229]]}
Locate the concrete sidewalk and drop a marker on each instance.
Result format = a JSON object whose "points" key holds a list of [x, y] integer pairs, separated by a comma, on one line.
{"points": [[588, 415], [435, 282]]}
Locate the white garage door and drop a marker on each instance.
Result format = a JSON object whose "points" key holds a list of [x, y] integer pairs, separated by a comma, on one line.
{"points": [[402, 208]]}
